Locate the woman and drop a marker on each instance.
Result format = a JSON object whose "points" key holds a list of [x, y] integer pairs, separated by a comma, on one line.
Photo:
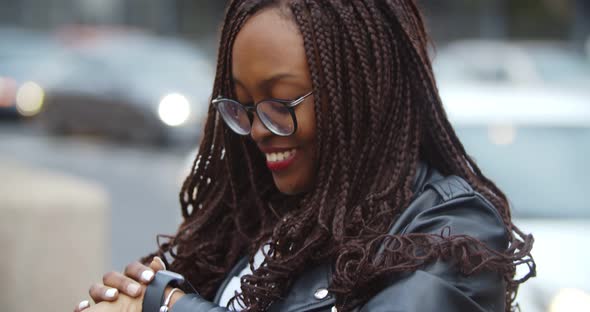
{"points": [[352, 192]]}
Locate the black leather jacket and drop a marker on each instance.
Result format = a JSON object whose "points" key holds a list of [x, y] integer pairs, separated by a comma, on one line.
{"points": [[439, 202]]}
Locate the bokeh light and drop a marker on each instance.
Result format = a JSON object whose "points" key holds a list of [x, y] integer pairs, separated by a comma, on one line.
{"points": [[174, 109], [29, 99]]}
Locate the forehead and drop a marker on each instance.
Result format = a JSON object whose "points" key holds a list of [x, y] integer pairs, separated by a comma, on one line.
{"points": [[269, 42]]}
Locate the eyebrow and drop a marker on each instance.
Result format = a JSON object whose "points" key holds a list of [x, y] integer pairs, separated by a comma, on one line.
{"points": [[267, 83]]}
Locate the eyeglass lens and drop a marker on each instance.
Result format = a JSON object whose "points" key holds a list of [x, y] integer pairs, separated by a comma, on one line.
{"points": [[275, 116], [235, 116]]}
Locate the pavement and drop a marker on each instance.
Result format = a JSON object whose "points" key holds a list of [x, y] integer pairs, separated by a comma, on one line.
{"points": [[142, 183], [54, 230]]}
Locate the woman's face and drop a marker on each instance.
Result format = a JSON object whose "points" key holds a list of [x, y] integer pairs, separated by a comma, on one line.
{"points": [[269, 61]]}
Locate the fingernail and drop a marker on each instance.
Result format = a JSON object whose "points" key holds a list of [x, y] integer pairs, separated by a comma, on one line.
{"points": [[147, 275], [83, 305], [132, 289], [110, 293], [161, 261]]}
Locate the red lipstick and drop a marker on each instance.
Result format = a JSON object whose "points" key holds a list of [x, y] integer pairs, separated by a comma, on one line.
{"points": [[281, 164]]}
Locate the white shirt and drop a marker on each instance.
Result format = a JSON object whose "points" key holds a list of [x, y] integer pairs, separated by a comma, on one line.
{"points": [[234, 284]]}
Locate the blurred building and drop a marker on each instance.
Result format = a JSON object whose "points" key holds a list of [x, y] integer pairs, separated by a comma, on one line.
{"points": [[448, 20], [190, 17], [498, 19]]}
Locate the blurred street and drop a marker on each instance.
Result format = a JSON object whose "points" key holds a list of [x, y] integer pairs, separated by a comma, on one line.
{"points": [[143, 182], [102, 104]]}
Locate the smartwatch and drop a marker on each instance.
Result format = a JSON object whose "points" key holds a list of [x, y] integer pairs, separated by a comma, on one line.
{"points": [[154, 293]]}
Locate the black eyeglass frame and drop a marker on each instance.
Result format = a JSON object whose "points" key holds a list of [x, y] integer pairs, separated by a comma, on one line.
{"points": [[250, 110]]}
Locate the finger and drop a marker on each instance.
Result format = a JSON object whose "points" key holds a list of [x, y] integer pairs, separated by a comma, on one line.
{"points": [[82, 305], [139, 272], [100, 292], [123, 283], [157, 264]]}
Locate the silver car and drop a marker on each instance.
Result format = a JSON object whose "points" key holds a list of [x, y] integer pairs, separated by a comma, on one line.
{"points": [[30, 62], [132, 86], [535, 144]]}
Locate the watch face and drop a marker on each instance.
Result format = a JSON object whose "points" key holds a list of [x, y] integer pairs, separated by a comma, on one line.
{"points": [[172, 276]]}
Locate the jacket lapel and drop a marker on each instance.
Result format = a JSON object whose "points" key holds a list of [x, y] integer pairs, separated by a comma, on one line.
{"points": [[234, 272], [309, 291]]}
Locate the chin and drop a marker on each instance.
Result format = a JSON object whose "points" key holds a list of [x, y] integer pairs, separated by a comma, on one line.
{"points": [[289, 188]]}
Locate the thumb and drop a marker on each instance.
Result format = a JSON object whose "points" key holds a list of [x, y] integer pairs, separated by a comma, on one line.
{"points": [[157, 264]]}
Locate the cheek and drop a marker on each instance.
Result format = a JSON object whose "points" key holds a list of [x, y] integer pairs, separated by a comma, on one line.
{"points": [[307, 123], [308, 141], [302, 178]]}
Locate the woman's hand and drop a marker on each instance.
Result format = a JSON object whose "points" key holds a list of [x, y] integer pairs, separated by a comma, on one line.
{"points": [[131, 283], [123, 303]]}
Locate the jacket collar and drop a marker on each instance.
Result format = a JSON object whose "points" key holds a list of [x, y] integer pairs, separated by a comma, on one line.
{"points": [[309, 291]]}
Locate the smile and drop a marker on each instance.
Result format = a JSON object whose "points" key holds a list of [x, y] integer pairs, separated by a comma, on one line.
{"points": [[280, 160]]}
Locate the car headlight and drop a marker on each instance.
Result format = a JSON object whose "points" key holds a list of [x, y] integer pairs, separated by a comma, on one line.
{"points": [[571, 300], [174, 109], [29, 98]]}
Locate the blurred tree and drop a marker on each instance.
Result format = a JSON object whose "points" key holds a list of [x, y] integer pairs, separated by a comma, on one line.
{"points": [[451, 19], [493, 19], [540, 19], [200, 19], [581, 25], [9, 11]]}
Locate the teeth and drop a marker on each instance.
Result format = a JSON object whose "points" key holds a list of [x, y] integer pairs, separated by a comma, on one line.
{"points": [[272, 157]]}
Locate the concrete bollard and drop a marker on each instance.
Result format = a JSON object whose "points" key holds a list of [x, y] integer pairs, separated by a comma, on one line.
{"points": [[54, 231]]}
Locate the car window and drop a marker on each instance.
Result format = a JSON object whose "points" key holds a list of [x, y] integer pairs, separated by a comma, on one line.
{"points": [[544, 171], [457, 64], [561, 67]]}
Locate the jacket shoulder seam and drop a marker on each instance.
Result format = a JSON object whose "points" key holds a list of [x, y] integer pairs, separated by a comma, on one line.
{"points": [[454, 187], [451, 187]]}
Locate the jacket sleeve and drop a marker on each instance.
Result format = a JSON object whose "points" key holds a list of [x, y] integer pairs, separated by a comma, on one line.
{"points": [[195, 303], [440, 286]]}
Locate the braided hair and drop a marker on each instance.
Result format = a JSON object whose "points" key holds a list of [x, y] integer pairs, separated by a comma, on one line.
{"points": [[368, 59]]}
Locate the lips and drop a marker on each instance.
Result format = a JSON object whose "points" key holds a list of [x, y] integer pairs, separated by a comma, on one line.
{"points": [[279, 159]]}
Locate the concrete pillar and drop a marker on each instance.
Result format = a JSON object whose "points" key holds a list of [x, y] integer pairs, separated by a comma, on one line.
{"points": [[53, 238]]}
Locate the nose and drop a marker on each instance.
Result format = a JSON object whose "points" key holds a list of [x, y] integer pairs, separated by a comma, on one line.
{"points": [[259, 131]]}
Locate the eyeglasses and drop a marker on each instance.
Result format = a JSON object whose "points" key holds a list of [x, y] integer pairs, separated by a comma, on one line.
{"points": [[276, 115]]}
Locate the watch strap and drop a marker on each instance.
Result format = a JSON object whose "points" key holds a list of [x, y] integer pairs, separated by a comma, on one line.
{"points": [[154, 293]]}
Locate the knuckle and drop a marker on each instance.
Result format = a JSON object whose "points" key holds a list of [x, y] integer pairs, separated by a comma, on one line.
{"points": [[92, 290], [109, 276], [135, 269], [130, 269]]}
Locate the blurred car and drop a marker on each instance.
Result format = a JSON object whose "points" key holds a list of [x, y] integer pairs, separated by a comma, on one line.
{"points": [[516, 63], [8, 90], [132, 86], [535, 144], [30, 62]]}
